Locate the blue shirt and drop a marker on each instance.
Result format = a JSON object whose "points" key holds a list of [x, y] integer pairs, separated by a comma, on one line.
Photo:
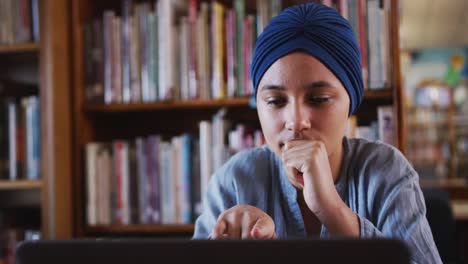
{"points": [[376, 182]]}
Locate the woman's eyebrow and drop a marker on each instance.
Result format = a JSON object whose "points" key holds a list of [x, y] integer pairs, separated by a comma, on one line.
{"points": [[273, 87], [318, 84]]}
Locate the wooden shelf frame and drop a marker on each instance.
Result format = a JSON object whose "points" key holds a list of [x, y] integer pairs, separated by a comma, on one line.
{"points": [[200, 104], [20, 48], [20, 185], [195, 104]]}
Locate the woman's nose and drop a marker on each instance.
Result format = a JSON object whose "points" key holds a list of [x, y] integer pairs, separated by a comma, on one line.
{"points": [[297, 119]]}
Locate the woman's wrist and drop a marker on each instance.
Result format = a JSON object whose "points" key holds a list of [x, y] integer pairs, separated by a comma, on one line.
{"points": [[340, 220]]}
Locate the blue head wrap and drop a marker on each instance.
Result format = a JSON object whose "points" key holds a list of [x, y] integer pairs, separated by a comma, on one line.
{"points": [[319, 31]]}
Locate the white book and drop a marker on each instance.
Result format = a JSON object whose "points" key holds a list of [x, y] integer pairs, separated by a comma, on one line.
{"points": [[104, 185], [167, 52], [205, 157], [167, 183], [184, 58], [91, 150], [12, 141]]}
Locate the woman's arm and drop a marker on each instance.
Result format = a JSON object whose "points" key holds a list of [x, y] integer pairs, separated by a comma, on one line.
{"points": [[402, 215]]}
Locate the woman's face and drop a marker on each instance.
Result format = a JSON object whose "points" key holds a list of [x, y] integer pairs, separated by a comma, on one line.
{"points": [[300, 98]]}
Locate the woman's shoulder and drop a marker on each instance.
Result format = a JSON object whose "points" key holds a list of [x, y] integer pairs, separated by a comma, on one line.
{"points": [[377, 161], [373, 152]]}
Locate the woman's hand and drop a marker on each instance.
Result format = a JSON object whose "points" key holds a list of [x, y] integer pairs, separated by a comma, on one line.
{"points": [[245, 222], [309, 170]]}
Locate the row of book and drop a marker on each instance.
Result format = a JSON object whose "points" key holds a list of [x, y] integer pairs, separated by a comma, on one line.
{"points": [[151, 181], [382, 129], [19, 21], [20, 140], [148, 53]]}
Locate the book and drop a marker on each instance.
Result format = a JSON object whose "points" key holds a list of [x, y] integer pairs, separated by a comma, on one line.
{"points": [[386, 124]]}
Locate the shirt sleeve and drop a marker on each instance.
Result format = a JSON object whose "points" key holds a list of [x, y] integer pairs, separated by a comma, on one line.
{"points": [[402, 215]]}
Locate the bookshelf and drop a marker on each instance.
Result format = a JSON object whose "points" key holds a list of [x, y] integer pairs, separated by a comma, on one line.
{"points": [[42, 204], [105, 122]]}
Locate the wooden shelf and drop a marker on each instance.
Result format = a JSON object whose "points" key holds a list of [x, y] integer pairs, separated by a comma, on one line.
{"points": [[444, 183], [140, 229], [460, 209], [426, 161], [18, 48], [386, 94], [20, 184], [423, 125], [200, 104]]}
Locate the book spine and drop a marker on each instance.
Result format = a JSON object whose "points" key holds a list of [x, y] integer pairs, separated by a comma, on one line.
{"points": [[108, 41], [184, 58], [133, 183], [240, 14], [153, 55], [126, 25], [231, 53], [117, 60], [97, 93], [363, 44], [192, 48], [91, 150], [12, 147], [185, 190], [142, 181], [35, 20], [155, 179], [144, 59], [135, 78], [205, 155], [203, 51], [118, 206]]}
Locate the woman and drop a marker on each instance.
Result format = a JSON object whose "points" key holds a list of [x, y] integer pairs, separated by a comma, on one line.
{"points": [[310, 180]]}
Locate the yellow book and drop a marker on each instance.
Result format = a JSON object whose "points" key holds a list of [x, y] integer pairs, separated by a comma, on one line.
{"points": [[219, 85]]}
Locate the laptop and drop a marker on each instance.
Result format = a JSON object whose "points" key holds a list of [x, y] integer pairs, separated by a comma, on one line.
{"points": [[177, 251]]}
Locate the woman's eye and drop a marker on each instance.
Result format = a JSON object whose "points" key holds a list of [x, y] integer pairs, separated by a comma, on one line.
{"points": [[275, 102], [318, 99]]}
